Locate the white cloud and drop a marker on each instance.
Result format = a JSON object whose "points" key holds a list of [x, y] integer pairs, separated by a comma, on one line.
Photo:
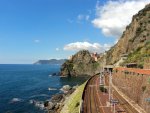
{"points": [[82, 17], [57, 49], [95, 47], [114, 16], [116, 41], [36, 41]]}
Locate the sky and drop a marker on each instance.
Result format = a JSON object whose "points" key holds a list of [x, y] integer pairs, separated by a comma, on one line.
{"points": [[31, 30]]}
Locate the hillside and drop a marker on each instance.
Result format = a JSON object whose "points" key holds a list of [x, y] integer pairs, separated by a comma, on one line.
{"points": [[52, 61], [82, 63], [135, 41]]}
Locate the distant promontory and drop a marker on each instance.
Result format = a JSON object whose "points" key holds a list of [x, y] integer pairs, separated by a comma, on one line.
{"points": [[51, 61]]}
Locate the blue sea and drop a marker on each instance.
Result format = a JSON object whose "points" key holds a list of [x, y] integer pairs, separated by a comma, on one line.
{"points": [[20, 84]]}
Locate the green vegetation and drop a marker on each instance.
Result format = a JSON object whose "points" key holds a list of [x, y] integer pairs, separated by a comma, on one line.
{"points": [[139, 30], [82, 63], [149, 80], [143, 88], [72, 104], [103, 89], [70, 66], [148, 42], [139, 55], [95, 65]]}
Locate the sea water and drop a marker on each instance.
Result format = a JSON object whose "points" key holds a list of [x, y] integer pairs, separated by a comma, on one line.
{"points": [[20, 85]]}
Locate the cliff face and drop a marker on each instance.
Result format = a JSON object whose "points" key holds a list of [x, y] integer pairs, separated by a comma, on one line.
{"points": [[135, 43], [80, 64], [136, 37]]}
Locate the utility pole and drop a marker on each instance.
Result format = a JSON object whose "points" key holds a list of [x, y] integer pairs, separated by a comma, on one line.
{"points": [[113, 101], [110, 86], [103, 73], [100, 78], [104, 80], [114, 108]]}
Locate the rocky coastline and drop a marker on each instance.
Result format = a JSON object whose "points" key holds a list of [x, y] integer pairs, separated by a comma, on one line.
{"points": [[134, 44], [55, 104]]}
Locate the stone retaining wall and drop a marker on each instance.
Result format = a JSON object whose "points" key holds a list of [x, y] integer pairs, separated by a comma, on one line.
{"points": [[135, 83]]}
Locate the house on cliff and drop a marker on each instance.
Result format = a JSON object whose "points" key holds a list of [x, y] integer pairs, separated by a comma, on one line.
{"points": [[94, 56]]}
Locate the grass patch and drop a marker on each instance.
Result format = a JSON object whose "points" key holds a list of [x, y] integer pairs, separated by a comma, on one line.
{"points": [[72, 104], [103, 89], [139, 55]]}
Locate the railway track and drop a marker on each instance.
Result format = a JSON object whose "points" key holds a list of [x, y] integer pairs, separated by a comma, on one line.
{"points": [[90, 103], [94, 101], [123, 106], [126, 107]]}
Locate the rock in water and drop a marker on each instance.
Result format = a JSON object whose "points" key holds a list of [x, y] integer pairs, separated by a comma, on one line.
{"points": [[65, 88], [51, 105], [57, 98]]}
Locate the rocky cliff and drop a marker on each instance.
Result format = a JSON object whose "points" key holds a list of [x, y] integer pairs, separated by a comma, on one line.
{"points": [[82, 63], [134, 43], [135, 40]]}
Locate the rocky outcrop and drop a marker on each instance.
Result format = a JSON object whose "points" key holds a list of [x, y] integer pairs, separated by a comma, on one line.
{"points": [[134, 42], [135, 37], [55, 104], [82, 63]]}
